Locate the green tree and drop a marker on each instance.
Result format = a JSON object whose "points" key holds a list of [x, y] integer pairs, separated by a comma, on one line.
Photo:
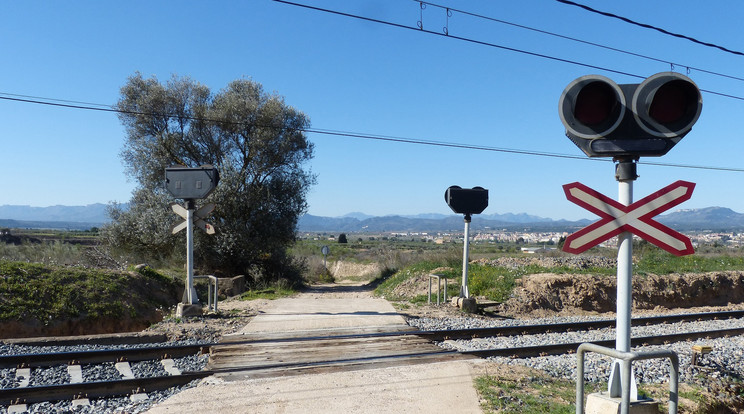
{"points": [[342, 238], [254, 139]]}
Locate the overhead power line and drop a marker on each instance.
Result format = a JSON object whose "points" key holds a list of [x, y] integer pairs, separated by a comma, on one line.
{"points": [[648, 26], [346, 134], [484, 43], [577, 40], [464, 39]]}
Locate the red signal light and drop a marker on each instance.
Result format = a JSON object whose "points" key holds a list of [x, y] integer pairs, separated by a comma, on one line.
{"points": [[667, 105], [672, 102], [595, 103]]}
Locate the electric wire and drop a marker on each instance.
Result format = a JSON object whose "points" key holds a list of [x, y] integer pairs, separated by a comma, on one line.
{"points": [[348, 134], [484, 43], [648, 26], [464, 39], [586, 42]]}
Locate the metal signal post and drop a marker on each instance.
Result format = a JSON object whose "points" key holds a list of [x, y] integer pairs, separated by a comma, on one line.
{"points": [[191, 217], [625, 175], [190, 291], [466, 201], [190, 184], [625, 122]]}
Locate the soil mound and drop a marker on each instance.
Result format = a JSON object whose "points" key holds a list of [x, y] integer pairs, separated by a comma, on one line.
{"points": [[590, 293], [342, 270]]}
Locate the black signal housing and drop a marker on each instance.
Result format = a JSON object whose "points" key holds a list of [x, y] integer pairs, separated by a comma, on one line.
{"points": [[605, 119]]}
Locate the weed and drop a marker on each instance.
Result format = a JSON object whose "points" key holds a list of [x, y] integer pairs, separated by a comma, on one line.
{"points": [[495, 283], [267, 293], [655, 261], [526, 395], [385, 288], [48, 293]]}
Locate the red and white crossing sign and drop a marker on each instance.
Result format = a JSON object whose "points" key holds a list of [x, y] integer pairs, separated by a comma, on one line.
{"points": [[197, 219], [636, 218]]}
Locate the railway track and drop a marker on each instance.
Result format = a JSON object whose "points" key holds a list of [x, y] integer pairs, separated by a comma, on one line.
{"points": [[79, 390], [240, 357]]}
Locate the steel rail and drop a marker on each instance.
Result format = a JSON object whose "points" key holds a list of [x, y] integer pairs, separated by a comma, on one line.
{"points": [[100, 355], [175, 351], [575, 326], [128, 386], [36, 394], [557, 349], [440, 335], [349, 361]]}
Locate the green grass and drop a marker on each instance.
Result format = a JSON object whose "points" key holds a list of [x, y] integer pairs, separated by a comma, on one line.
{"points": [[528, 395], [45, 293], [394, 278], [495, 283], [267, 293], [655, 261]]}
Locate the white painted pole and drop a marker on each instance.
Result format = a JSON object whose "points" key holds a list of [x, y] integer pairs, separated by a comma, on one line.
{"points": [[190, 252], [624, 292], [624, 275], [464, 292]]}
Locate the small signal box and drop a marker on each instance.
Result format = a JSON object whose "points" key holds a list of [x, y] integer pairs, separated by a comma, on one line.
{"points": [[191, 183]]}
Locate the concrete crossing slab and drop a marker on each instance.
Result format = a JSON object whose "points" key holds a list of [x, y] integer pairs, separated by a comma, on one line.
{"points": [[438, 387]]}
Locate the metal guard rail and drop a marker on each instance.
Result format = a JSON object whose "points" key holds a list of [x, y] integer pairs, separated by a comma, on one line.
{"points": [[625, 374], [212, 294]]}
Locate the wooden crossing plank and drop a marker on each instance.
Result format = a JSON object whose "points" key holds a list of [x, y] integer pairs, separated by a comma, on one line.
{"points": [[281, 355]]}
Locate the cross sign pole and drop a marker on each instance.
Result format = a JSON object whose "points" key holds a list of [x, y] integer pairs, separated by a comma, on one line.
{"points": [[624, 218], [625, 174], [191, 217]]}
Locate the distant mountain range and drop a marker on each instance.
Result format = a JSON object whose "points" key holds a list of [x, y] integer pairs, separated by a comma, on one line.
{"points": [[94, 215], [711, 218], [54, 217], [359, 222]]}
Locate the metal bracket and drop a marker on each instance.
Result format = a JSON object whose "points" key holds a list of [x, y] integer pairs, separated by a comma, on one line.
{"points": [[439, 286], [628, 357]]}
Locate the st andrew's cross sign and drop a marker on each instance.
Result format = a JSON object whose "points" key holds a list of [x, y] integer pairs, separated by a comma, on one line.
{"points": [[636, 218], [198, 218]]}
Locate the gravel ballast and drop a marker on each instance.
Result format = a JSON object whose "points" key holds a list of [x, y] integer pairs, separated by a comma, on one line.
{"points": [[98, 372], [726, 358]]}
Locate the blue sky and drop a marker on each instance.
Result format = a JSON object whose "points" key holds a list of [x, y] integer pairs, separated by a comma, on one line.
{"points": [[364, 77]]}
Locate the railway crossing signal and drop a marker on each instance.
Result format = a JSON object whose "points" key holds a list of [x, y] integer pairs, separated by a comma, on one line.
{"points": [[605, 119], [197, 219], [626, 122], [466, 201], [636, 218], [191, 184]]}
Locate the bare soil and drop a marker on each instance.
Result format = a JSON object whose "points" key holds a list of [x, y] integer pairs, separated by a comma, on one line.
{"points": [[349, 271], [550, 294], [546, 293]]}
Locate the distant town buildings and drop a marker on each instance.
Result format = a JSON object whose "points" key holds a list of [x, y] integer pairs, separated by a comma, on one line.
{"points": [[532, 241]]}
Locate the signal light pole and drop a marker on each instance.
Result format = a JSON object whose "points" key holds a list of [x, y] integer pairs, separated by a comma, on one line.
{"points": [[191, 184], [467, 201], [625, 173], [625, 122]]}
